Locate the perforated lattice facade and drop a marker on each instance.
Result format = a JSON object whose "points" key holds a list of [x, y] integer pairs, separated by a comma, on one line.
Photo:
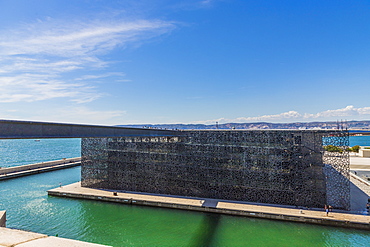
{"points": [[269, 166]]}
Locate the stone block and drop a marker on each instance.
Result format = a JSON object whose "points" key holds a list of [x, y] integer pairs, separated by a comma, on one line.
{"points": [[12, 237], [58, 242]]}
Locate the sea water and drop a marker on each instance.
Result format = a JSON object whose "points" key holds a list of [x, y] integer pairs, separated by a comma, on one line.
{"points": [[359, 140], [29, 151], [30, 208]]}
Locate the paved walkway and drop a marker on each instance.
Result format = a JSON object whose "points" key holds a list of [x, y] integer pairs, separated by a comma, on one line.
{"points": [[361, 184], [17, 238], [76, 189], [218, 206], [357, 162], [360, 187]]}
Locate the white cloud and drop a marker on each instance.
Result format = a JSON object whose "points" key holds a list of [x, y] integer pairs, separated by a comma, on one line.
{"points": [[67, 114], [79, 115], [94, 77], [347, 112], [35, 59], [364, 111], [71, 40], [206, 1], [35, 87], [344, 112]]}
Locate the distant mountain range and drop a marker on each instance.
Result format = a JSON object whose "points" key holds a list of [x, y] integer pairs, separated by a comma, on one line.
{"points": [[365, 125]]}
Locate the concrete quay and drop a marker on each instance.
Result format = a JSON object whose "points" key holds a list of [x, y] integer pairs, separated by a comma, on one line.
{"points": [[18, 238], [362, 184], [267, 211], [359, 163], [25, 170], [2, 218]]}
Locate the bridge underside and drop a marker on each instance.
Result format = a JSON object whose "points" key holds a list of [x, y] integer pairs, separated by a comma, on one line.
{"points": [[10, 129]]}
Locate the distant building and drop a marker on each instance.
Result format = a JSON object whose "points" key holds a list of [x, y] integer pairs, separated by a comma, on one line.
{"points": [[364, 152], [287, 167]]}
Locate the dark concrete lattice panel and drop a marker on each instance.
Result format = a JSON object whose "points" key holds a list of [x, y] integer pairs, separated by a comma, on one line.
{"points": [[269, 166], [336, 170]]}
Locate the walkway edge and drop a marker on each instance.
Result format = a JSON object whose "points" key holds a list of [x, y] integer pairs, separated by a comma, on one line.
{"points": [[19, 238], [359, 179], [222, 207]]}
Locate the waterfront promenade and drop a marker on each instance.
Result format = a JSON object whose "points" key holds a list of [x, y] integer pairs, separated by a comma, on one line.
{"points": [[25, 170], [18, 238], [360, 186], [267, 211]]}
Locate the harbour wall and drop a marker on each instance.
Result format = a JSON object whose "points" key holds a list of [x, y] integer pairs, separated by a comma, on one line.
{"points": [[18, 171], [265, 211]]}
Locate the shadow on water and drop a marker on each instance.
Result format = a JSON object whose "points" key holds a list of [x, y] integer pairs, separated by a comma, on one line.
{"points": [[206, 231]]}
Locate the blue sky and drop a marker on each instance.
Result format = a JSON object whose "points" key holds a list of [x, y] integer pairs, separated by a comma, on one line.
{"points": [[184, 61]]}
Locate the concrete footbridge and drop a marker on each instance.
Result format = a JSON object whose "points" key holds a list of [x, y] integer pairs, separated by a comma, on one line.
{"points": [[12, 129]]}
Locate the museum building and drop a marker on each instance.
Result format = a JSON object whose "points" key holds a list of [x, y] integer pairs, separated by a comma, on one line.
{"points": [[286, 167]]}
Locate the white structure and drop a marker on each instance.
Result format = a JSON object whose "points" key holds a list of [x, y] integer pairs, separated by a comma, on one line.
{"points": [[364, 152]]}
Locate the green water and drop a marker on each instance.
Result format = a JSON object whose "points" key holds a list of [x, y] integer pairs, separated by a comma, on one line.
{"points": [[30, 208]]}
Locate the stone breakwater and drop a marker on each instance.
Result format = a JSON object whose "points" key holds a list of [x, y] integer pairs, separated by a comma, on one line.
{"points": [[19, 171]]}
